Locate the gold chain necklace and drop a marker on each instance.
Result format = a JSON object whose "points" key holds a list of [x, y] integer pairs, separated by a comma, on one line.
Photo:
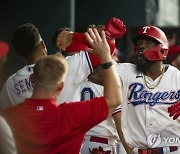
{"points": [[148, 85]]}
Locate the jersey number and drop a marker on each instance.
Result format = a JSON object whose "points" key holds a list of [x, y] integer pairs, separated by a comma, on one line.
{"points": [[87, 94]]}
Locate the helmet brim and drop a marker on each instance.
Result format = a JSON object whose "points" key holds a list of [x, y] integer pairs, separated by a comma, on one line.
{"points": [[135, 38]]}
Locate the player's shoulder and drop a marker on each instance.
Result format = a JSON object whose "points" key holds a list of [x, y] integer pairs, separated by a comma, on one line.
{"points": [[76, 56], [89, 83], [22, 73], [26, 70], [172, 69], [93, 86], [127, 67]]}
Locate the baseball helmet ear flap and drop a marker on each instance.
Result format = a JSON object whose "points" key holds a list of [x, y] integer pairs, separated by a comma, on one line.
{"points": [[155, 53], [157, 35]]}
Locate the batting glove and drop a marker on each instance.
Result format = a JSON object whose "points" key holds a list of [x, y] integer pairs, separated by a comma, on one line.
{"points": [[174, 110], [115, 28]]}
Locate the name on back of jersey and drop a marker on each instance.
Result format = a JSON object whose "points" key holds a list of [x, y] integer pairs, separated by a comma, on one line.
{"points": [[23, 86]]}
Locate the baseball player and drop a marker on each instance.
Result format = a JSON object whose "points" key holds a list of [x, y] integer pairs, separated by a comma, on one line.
{"points": [[103, 135], [28, 45], [149, 88], [75, 76], [89, 90], [46, 127]]}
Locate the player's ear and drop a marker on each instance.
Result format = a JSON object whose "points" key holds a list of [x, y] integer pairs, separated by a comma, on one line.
{"points": [[60, 86], [43, 44]]}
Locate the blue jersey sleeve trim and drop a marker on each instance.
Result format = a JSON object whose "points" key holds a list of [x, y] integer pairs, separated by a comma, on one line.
{"points": [[89, 62]]}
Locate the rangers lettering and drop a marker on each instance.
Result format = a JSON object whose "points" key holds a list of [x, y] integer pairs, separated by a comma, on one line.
{"points": [[138, 95]]}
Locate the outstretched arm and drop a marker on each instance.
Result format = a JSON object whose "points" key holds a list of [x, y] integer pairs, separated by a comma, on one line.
{"points": [[68, 39], [112, 85], [114, 28]]}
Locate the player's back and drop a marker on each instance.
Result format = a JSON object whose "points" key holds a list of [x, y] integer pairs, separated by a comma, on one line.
{"points": [[40, 126], [17, 87], [79, 67]]}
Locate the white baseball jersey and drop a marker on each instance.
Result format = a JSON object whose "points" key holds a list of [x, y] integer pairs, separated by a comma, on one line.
{"points": [[18, 87], [145, 119], [106, 128], [79, 67]]}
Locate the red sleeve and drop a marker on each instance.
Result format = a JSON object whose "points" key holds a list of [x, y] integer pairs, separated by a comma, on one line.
{"points": [[80, 38], [76, 47], [87, 114]]}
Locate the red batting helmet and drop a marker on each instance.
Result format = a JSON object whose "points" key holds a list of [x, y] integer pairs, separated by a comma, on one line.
{"points": [[158, 52]]}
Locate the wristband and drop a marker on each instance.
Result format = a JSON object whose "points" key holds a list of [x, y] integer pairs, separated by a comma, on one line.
{"points": [[106, 65]]}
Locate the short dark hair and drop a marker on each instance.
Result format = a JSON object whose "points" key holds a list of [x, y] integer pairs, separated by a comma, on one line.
{"points": [[25, 39], [55, 36]]}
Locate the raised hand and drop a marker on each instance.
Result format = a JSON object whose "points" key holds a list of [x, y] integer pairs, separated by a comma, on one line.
{"points": [[115, 28], [99, 44]]}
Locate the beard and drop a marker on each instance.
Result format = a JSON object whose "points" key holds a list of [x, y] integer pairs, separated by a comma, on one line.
{"points": [[143, 64]]}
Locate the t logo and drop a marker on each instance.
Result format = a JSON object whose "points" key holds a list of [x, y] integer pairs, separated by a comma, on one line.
{"points": [[145, 29]]}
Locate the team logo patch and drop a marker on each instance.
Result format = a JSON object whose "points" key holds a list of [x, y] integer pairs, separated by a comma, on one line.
{"points": [[154, 140]]}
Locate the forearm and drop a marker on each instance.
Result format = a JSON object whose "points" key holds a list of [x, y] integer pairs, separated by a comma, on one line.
{"points": [[80, 38], [117, 119], [112, 88], [112, 85]]}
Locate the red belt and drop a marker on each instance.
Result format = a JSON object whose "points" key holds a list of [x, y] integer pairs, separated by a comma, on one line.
{"points": [[156, 150], [99, 139]]}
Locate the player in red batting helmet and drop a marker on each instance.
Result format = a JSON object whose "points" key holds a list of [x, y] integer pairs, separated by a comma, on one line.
{"points": [[160, 51], [157, 52]]}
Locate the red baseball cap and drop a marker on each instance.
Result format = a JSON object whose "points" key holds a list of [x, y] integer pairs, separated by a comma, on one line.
{"points": [[174, 51], [4, 48]]}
